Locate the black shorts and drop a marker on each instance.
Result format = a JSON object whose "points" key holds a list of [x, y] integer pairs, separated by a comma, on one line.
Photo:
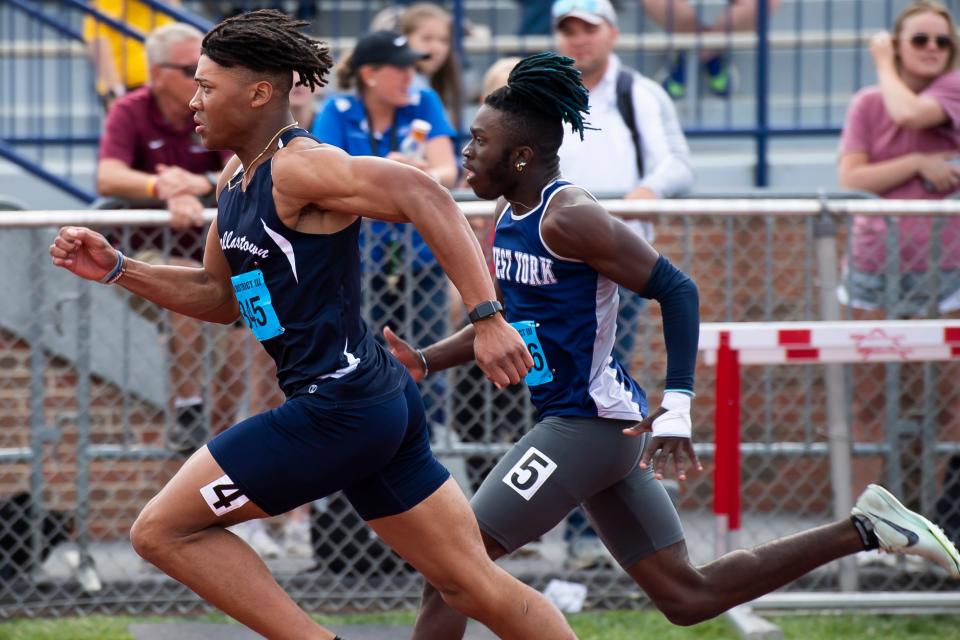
{"points": [[376, 451]]}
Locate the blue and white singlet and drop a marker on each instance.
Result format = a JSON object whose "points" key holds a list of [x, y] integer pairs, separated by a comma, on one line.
{"points": [[574, 309], [300, 294]]}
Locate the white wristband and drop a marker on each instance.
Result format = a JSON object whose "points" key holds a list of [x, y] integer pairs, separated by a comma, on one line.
{"points": [[675, 423]]}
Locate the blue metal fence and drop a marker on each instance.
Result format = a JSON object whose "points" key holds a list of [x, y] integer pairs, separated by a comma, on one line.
{"points": [[796, 70]]}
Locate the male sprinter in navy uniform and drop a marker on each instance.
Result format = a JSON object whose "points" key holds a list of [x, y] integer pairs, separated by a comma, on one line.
{"points": [[558, 258], [283, 254]]}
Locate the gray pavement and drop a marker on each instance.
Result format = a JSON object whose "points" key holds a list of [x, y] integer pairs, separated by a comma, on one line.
{"points": [[210, 631], [115, 561]]}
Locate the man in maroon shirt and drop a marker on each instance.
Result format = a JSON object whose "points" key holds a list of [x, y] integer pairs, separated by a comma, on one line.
{"points": [[150, 152], [149, 148]]}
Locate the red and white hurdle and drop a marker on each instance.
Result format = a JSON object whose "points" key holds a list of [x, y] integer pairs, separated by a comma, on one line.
{"points": [[730, 345]]}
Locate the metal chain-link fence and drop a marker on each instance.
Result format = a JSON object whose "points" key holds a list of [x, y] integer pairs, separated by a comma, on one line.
{"points": [[102, 396]]}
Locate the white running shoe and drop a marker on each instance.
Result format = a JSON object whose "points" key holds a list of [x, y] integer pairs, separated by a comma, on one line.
{"points": [[587, 552], [296, 538], [255, 534], [900, 530]]}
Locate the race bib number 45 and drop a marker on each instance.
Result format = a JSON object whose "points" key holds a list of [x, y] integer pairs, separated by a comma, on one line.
{"points": [[540, 373], [256, 306]]}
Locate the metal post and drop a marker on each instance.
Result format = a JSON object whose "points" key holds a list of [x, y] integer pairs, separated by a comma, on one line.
{"points": [[38, 304], [84, 337], [931, 376], [891, 383], [459, 17], [763, 54], [838, 431]]}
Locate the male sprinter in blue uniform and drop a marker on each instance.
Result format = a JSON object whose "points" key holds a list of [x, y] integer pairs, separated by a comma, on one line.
{"points": [[558, 258], [283, 254]]}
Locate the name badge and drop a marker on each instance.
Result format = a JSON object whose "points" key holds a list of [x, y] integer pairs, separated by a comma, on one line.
{"points": [[255, 305], [540, 373]]}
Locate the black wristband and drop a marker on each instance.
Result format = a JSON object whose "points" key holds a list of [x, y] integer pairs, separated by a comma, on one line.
{"points": [[485, 310]]}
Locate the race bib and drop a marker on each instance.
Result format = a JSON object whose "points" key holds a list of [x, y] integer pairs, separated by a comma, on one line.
{"points": [[531, 471], [255, 305], [541, 371], [223, 496]]}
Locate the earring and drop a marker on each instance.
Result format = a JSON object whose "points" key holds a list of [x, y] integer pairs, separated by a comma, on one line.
{"points": [[520, 165]]}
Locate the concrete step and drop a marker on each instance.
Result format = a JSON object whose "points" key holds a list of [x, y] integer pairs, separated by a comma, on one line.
{"points": [[797, 164]]}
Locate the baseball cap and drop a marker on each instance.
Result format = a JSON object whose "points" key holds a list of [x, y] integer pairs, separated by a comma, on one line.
{"points": [[591, 11], [385, 47]]}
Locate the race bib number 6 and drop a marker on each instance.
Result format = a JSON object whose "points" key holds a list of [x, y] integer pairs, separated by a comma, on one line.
{"points": [[540, 373], [256, 306]]}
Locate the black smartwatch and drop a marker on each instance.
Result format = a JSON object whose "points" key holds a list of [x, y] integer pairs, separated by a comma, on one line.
{"points": [[485, 310]]}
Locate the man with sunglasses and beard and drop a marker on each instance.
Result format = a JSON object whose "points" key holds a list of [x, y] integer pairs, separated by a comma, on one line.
{"points": [[150, 156]]}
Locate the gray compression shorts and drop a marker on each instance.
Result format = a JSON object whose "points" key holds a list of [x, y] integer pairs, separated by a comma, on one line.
{"points": [[563, 462]]}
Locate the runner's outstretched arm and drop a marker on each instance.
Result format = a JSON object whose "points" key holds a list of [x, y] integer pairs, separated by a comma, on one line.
{"points": [[386, 190], [203, 292]]}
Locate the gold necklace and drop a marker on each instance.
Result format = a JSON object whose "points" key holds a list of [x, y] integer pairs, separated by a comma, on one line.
{"points": [[272, 140]]}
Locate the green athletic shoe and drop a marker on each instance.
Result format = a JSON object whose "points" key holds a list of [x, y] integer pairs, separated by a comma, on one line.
{"points": [[900, 530], [719, 76], [674, 89], [675, 83]]}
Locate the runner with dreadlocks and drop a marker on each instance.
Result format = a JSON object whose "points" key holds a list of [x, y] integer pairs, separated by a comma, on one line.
{"points": [[558, 258], [283, 254]]}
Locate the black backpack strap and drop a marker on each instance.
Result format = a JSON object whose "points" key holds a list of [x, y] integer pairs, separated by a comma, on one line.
{"points": [[625, 107]]}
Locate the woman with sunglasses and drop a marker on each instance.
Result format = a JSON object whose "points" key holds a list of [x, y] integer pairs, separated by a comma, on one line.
{"points": [[901, 140]]}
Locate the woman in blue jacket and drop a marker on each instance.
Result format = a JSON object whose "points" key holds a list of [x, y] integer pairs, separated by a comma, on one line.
{"points": [[373, 118]]}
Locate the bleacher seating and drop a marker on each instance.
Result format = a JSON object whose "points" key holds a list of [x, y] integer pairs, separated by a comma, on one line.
{"points": [[818, 58]]}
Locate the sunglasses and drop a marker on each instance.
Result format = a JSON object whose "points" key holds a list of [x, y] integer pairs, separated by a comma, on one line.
{"points": [[921, 40], [188, 70]]}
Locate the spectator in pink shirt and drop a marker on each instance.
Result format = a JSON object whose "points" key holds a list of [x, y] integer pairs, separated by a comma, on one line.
{"points": [[901, 140]]}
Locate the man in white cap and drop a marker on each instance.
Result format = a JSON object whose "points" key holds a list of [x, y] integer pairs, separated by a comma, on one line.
{"points": [[637, 151]]}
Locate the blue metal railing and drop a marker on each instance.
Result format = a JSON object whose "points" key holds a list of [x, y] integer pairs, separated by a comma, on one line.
{"points": [[804, 61], [36, 169], [36, 12], [762, 95], [54, 33]]}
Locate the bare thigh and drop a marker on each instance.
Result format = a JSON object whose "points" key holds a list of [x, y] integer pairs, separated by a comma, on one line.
{"points": [[181, 508], [439, 537]]}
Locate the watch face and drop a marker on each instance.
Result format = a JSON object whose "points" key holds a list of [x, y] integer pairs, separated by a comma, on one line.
{"points": [[484, 310]]}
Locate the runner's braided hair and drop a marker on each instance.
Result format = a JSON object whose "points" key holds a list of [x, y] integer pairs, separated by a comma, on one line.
{"points": [[545, 87], [269, 41]]}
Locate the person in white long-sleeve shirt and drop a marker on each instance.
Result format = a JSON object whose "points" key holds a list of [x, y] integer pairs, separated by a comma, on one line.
{"points": [[606, 158], [605, 162]]}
